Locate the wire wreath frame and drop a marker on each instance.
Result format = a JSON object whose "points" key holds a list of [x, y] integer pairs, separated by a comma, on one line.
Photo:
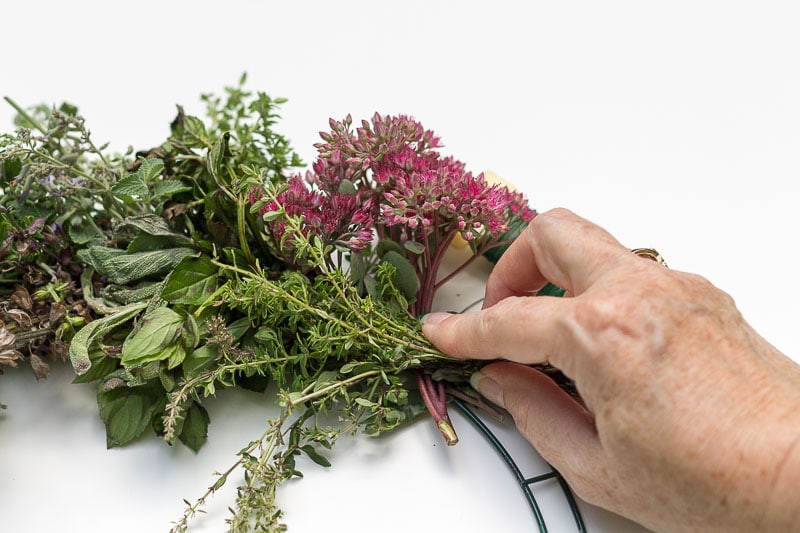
{"points": [[525, 483]]}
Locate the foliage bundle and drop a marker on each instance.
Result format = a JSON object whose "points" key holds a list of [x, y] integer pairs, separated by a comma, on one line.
{"points": [[211, 262]]}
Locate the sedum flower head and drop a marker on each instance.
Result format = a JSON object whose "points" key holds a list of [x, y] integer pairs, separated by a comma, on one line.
{"points": [[394, 161], [339, 219], [389, 174]]}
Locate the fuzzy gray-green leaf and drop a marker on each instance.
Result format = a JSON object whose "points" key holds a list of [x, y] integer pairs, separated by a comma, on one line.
{"points": [[122, 268], [79, 346]]}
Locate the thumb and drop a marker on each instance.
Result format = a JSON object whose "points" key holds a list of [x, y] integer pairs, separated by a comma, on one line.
{"points": [[560, 429]]}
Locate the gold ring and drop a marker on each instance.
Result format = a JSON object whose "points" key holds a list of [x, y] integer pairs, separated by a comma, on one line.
{"points": [[650, 253]]}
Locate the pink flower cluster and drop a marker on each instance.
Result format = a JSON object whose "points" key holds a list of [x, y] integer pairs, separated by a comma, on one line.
{"points": [[339, 219], [394, 161], [393, 177], [441, 195]]}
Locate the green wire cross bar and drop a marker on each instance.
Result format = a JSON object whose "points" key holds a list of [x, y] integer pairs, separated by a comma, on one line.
{"points": [[525, 483]]}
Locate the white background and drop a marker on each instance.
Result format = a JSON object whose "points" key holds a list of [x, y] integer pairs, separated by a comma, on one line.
{"points": [[674, 125]]}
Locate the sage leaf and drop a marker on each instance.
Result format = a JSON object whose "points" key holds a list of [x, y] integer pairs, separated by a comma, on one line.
{"points": [[157, 227], [123, 268], [101, 366], [97, 329], [124, 294]]}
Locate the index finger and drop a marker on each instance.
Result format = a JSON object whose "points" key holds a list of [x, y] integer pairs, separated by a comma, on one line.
{"points": [[557, 246]]}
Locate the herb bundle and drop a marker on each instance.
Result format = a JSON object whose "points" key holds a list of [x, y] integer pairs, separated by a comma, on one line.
{"points": [[207, 262]]}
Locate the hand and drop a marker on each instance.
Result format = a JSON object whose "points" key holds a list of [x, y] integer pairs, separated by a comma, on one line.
{"points": [[690, 419]]}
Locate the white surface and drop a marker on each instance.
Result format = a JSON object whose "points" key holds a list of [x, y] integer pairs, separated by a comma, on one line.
{"points": [[674, 125]]}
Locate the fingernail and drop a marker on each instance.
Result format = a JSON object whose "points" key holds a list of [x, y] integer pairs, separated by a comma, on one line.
{"points": [[435, 318], [487, 387]]}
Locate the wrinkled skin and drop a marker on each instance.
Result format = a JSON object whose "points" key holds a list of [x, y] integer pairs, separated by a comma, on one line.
{"points": [[690, 419]]}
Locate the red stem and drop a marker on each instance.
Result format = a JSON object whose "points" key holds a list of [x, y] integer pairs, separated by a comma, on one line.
{"points": [[437, 408]]}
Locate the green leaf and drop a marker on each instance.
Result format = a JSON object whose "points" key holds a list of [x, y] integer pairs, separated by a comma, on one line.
{"points": [[239, 327], [363, 402], [167, 188], [174, 355], [85, 231], [126, 412], [97, 256], [131, 188], [387, 245], [515, 226], [97, 329], [199, 360], [191, 332], [192, 281], [357, 268], [219, 152], [195, 427], [167, 379], [315, 456], [254, 383], [101, 366], [269, 216], [266, 335], [155, 339], [551, 290], [156, 226], [356, 367], [147, 243], [371, 286], [124, 294], [68, 109], [194, 133], [346, 187], [414, 247], [11, 169], [123, 268], [324, 379], [405, 278], [150, 169]]}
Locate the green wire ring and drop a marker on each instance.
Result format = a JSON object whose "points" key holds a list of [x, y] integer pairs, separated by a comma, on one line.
{"points": [[516, 226], [525, 483]]}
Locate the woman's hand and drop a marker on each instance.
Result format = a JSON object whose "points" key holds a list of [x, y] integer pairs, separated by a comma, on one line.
{"points": [[691, 419]]}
